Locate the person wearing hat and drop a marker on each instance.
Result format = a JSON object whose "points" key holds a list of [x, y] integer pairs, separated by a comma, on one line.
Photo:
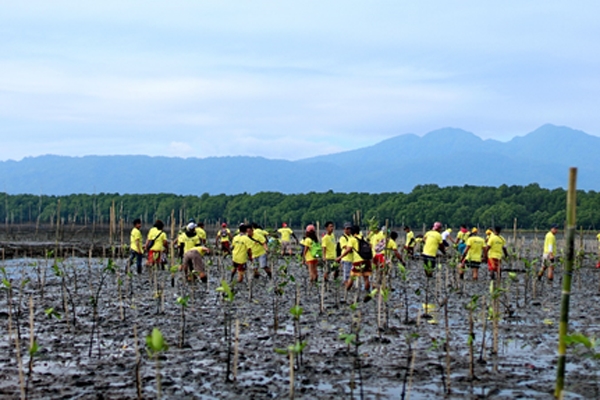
{"points": [[188, 238], [472, 254], [309, 258], [549, 253], [432, 243], [494, 250], [224, 239], [286, 234]]}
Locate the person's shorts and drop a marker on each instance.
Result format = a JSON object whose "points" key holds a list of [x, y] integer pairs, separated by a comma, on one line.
{"points": [[428, 261], [461, 248], [239, 267], [312, 263], [286, 246], [547, 260], [346, 269], [329, 265], [493, 264], [362, 268], [225, 246], [379, 259], [473, 264], [262, 260], [154, 257]]}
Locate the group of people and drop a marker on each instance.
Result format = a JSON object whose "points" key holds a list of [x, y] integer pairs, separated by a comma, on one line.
{"points": [[353, 255]]}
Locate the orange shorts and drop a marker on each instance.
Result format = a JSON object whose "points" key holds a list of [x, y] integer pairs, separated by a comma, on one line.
{"points": [[493, 264], [362, 268], [379, 259], [154, 257]]}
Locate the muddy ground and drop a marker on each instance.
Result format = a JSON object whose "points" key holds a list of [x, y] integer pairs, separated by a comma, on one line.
{"points": [[403, 358]]}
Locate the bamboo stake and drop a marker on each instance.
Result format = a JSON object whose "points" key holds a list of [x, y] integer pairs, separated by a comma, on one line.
{"points": [[235, 348], [566, 292]]}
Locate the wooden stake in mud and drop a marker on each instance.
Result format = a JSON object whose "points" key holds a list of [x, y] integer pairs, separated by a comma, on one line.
{"points": [[566, 291]]}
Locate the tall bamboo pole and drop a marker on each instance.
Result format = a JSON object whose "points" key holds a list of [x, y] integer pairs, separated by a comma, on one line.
{"points": [[566, 291]]}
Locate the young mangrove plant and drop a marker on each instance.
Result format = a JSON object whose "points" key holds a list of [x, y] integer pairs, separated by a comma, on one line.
{"points": [[183, 302], [291, 351], [471, 307], [156, 344], [228, 297]]}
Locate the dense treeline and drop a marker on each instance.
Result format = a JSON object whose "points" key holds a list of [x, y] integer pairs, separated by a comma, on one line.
{"points": [[534, 207]]}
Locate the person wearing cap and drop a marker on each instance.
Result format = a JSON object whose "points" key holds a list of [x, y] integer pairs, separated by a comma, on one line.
{"points": [[193, 260], [188, 238], [286, 234], [549, 253], [224, 239], [432, 243], [310, 259], [494, 250], [241, 252], [135, 245], [328, 244], [259, 250], [472, 255], [409, 241], [345, 260], [461, 239]]}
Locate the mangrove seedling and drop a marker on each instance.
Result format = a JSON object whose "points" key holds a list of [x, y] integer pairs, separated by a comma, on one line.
{"points": [[183, 302], [228, 297], [291, 351], [156, 344]]}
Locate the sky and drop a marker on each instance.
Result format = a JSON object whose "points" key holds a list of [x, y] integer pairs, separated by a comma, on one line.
{"points": [[288, 80]]}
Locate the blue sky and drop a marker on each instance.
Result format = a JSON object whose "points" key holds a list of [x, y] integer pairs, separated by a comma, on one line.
{"points": [[289, 80]]}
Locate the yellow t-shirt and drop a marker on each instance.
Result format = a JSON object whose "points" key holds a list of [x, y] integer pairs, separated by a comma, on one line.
{"points": [[307, 243], [376, 238], [390, 247], [257, 244], [328, 245], [598, 237], [343, 244], [136, 241], [201, 233], [188, 242], [462, 236], [223, 234], [475, 245], [432, 239], [550, 243], [199, 249], [410, 239], [159, 237], [495, 243], [241, 244], [353, 242], [286, 234]]}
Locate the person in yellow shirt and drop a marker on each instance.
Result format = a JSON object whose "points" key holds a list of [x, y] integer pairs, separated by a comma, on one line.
{"points": [[549, 253], [391, 249], [193, 260], [156, 244], [223, 239], [472, 254], [135, 245], [361, 267], [409, 242], [259, 250], [348, 256], [286, 234], [328, 244], [310, 259], [201, 233], [188, 238], [494, 250], [461, 239], [432, 243], [241, 252]]}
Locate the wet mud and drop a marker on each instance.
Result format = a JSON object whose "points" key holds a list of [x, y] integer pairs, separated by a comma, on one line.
{"points": [[396, 356]]}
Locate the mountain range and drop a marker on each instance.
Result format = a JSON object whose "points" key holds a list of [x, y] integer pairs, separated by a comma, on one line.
{"points": [[446, 157]]}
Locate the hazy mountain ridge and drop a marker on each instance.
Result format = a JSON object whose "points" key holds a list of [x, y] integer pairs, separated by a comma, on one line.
{"points": [[445, 157]]}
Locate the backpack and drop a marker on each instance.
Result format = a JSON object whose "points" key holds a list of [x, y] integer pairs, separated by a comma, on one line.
{"points": [[364, 249], [316, 250]]}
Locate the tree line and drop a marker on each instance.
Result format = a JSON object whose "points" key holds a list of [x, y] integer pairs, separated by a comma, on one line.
{"points": [[532, 206]]}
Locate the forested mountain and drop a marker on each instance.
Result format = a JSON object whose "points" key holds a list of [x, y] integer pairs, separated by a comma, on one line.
{"points": [[444, 157]]}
